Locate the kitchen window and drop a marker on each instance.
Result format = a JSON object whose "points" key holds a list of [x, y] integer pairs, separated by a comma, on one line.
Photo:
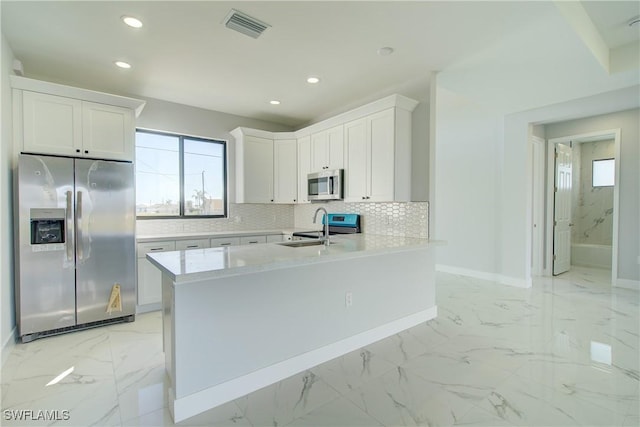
{"points": [[179, 176]]}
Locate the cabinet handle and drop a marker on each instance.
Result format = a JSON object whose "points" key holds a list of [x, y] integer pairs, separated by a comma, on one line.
{"points": [[86, 151], [363, 197], [272, 200], [192, 246], [225, 244], [253, 241], [77, 150], [294, 200], [155, 249]]}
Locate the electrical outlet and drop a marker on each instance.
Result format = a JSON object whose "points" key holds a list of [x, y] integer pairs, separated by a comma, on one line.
{"points": [[348, 299]]}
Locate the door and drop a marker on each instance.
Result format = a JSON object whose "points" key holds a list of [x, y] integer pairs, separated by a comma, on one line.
{"points": [[45, 293], [355, 185], [285, 172], [108, 131], [105, 241], [52, 124], [381, 156], [562, 210], [258, 170], [304, 167]]}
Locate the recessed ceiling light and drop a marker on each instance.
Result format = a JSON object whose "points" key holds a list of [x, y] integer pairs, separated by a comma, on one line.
{"points": [[274, 102], [385, 51], [122, 64], [132, 22], [313, 80]]}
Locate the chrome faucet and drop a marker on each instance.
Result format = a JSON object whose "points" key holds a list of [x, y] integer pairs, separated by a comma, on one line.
{"points": [[325, 239]]}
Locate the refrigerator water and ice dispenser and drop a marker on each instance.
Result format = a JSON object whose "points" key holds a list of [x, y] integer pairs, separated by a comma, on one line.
{"points": [[47, 227]]}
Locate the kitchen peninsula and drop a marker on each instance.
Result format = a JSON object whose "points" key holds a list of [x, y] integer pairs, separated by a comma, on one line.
{"points": [[236, 319]]}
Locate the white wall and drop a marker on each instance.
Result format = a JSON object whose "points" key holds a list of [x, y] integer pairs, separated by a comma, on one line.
{"points": [[468, 200], [483, 182], [629, 186], [7, 312]]}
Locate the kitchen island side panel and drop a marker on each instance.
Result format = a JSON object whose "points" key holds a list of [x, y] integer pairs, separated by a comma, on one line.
{"points": [[228, 327]]}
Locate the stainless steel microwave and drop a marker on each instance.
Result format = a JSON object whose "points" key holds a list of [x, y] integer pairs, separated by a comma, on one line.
{"points": [[325, 185]]}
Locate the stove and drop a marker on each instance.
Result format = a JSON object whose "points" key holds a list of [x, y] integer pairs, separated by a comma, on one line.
{"points": [[339, 223]]}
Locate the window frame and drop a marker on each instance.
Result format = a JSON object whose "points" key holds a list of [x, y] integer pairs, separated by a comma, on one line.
{"points": [[181, 202], [593, 162]]}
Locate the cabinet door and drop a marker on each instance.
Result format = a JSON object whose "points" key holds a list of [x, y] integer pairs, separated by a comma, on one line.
{"points": [[381, 156], [52, 124], [335, 142], [108, 131], [258, 170], [285, 174], [356, 186], [149, 277], [224, 241], [183, 245], [304, 168], [319, 151]]}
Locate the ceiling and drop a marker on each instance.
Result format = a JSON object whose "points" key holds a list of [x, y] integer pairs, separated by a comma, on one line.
{"points": [[185, 54]]}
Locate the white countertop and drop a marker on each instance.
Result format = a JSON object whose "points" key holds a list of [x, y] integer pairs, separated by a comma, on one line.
{"points": [[210, 234], [199, 264]]}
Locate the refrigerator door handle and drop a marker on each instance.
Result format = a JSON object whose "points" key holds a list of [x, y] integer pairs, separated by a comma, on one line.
{"points": [[79, 242], [68, 225]]}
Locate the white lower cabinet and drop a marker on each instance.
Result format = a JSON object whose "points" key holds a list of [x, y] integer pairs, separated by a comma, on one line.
{"points": [[251, 240], [183, 245], [224, 241], [149, 277]]}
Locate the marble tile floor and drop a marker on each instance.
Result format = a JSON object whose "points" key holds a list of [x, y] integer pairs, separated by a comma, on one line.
{"points": [[564, 353]]}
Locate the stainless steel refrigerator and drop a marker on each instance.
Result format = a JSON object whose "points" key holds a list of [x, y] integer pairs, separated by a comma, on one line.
{"points": [[75, 222]]}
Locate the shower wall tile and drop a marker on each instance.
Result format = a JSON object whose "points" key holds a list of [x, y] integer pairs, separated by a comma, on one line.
{"points": [[592, 207]]}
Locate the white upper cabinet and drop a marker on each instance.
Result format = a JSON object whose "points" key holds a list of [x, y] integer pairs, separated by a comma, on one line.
{"points": [[327, 149], [371, 143], [108, 132], [254, 169], [63, 120], [304, 167], [356, 172], [285, 172], [51, 124], [378, 157]]}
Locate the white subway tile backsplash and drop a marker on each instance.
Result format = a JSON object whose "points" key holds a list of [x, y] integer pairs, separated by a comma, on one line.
{"points": [[241, 217], [391, 219]]}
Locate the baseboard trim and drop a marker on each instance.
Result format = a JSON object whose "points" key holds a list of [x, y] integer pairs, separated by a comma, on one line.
{"points": [[8, 345], [627, 284], [483, 275], [196, 403]]}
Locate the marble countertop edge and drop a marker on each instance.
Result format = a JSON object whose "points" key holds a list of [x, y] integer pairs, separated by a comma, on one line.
{"points": [[213, 263]]}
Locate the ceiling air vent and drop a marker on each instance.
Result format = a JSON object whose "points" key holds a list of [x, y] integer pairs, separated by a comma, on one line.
{"points": [[245, 24]]}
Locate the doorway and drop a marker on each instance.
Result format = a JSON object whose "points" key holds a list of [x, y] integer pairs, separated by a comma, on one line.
{"points": [[582, 213]]}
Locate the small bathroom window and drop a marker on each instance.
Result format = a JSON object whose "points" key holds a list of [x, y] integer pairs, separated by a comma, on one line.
{"points": [[603, 173]]}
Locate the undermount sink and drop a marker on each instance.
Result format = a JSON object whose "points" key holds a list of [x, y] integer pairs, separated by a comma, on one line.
{"points": [[303, 243]]}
